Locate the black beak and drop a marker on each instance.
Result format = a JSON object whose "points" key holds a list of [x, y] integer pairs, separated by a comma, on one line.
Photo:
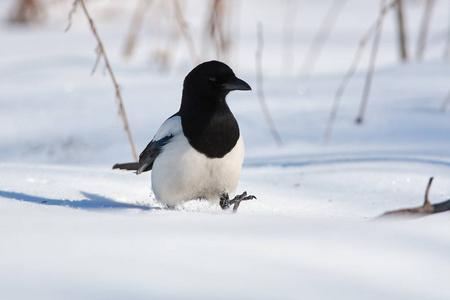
{"points": [[236, 84]]}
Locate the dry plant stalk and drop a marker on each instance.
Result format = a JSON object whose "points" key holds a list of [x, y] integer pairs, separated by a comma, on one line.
{"points": [[27, 11], [401, 31], [101, 53], [426, 18], [426, 209], [351, 71], [369, 75], [259, 85], [215, 29], [320, 39], [185, 31], [136, 25]]}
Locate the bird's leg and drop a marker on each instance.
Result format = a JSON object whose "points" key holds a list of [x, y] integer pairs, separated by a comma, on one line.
{"points": [[225, 201]]}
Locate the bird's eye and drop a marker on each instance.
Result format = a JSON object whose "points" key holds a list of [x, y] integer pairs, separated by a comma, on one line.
{"points": [[212, 78]]}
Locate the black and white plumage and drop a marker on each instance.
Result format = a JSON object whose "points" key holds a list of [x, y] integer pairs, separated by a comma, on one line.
{"points": [[198, 152]]}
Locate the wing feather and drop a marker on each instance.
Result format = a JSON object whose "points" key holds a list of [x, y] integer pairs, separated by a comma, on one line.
{"points": [[150, 153], [170, 128]]}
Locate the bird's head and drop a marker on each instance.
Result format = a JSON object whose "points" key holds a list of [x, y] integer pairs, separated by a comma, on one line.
{"points": [[211, 81]]}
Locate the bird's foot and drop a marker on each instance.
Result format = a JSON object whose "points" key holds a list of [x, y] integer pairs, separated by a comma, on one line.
{"points": [[225, 201]]}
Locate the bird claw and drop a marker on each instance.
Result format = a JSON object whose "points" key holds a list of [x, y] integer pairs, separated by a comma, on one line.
{"points": [[225, 201]]}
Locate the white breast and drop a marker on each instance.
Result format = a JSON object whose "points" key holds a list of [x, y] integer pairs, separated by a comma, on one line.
{"points": [[181, 173]]}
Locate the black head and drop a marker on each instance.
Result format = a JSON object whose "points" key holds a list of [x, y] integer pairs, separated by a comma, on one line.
{"points": [[211, 81], [207, 121]]}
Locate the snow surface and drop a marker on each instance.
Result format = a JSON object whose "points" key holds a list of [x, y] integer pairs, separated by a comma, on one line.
{"points": [[71, 228]]}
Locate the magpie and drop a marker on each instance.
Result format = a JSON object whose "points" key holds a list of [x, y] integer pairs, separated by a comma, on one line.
{"points": [[198, 152]]}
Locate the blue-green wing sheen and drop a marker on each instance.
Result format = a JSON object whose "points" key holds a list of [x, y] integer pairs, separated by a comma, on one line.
{"points": [[150, 153]]}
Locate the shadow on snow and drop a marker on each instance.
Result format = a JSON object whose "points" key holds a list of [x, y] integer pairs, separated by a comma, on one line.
{"points": [[298, 162], [92, 201]]}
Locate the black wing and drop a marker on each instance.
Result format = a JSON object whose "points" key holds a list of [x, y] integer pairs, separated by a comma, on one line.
{"points": [[172, 126], [150, 153]]}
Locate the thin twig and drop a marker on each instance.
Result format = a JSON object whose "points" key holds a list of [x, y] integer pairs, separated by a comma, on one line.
{"points": [[185, 31], [97, 60], [369, 75], [320, 38], [71, 13], [259, 80], [101, 51], [352, 69]]}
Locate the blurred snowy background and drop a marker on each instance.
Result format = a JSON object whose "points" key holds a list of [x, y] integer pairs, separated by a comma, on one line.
{"points": [[72, 228]]}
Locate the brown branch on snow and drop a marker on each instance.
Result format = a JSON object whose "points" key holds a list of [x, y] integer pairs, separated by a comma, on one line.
{"points": [[426, 209], [101, 53], [259, 86], [369, 75], [351, 71]]}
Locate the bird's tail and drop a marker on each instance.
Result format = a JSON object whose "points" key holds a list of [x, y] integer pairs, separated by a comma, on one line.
{"points": [[133, 166]]}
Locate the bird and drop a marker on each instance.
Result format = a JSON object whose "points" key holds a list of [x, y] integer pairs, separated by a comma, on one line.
{"points": [[198, 152]]}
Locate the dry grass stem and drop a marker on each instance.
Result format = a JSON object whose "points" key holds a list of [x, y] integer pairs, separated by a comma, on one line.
{"points": [[369, 75], [72, 11], [426, 18], [185, 32], [351, 71], [401, 31], [27, 11], [215, 30], [136, 25], [101, 52]]}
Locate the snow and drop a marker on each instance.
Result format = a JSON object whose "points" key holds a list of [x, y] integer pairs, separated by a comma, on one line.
{"points": [[71, 228]]}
